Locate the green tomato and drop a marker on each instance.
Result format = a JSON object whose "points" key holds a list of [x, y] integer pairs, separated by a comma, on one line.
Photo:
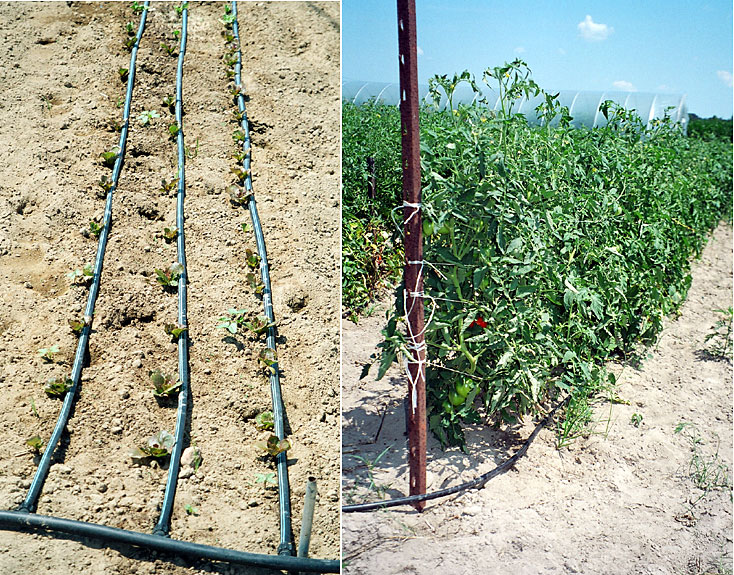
{"points": [[455, 398], [464, 388], [444, 229], [447, 407], [427, 228]]}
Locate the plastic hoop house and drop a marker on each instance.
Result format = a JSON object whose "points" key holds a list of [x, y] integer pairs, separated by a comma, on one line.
{"points": [[583, 105]]}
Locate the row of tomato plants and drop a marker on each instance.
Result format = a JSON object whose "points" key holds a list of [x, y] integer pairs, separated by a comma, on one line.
{"points": [[549, 250]]}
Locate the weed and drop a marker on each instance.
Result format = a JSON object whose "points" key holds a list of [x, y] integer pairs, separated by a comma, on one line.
{"points": [[720, 346], [191, 510], [370, 465], [233, 320], [170, 50], [267, 479], [47, 354], [636, 419], [158, 446], [147, 116], [58, 387], [169, 277], [81, 276], [33, 408], [273, 446], [707, 471], [164, 385]]}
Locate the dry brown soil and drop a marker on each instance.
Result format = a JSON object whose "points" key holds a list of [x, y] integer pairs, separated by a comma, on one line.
{"points": [[618, 501], [60, 92]]}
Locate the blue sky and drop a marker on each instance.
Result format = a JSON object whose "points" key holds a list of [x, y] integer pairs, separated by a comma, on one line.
{"points": [[641, 45]]}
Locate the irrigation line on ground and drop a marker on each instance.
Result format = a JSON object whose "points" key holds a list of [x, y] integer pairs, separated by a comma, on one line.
{"points": [[477, 483], [286, 546], [164, 519], [23, 521], [31, 500]]}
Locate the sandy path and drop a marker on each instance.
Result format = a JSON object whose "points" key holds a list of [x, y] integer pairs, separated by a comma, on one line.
{"points": [[619, 501]]}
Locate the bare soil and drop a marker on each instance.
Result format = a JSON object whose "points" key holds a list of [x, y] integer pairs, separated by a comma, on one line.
{"points": [[61, 91], [620, 500]]}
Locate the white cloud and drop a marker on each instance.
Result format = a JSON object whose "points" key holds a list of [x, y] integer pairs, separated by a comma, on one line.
{"points": [[419, 50], [664, 88], [725, 77], [561, 51], [624, 85], [593, 31], [520, 50]]}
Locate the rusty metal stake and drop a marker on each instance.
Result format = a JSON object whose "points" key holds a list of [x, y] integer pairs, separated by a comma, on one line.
{"points": [[372, 180], [413, 275]]}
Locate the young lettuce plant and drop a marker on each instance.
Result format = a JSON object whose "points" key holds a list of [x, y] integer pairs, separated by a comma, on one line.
{"points": [[35, 443], [105, 184], [95, 229], [147, 116], [233, 320], [77, 325], [268, 358], [137, 8], [167, 187], [264, 421], [252, 259], [57, 387], [81, 276], [168, 278], [48, 353], [123, 73], [173, 130], [169, 234], [170, 103], [238, 196], [109, 157], [159, 446], [273, 446], [259, 325], [164, 385], [255, 283], [174, 330], [168, 49]]}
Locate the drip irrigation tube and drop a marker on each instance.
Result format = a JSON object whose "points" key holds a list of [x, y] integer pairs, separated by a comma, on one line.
{"points": [[20, 521], [31, 500], [286, 546], [164, 520], [478, 482]]}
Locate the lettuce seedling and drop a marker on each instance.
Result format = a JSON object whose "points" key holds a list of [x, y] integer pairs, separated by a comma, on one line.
{"points": [[109, 157], [57, 387], [179, 9], [170, 103], [274, 446], [264, 421], [105, 184], [227, 19], [130, 28], [174, 330], [164, 385], [268, 358], [238, 196], [245, 227], [255, 283], [173, 129], [81, 276], [259, 325], [47, 353], [168, 186], [266, 479], [169, 234], [240, 155], [191, 510], [137, 8], [240, 173], [147, 116], [123, 72], [233, 319], [228, 36], [130, 42], [77, 325], [95, 229], [176, 34], [168, 49], [169, 277], [252, 259], [159, 445], [35, 443], [238, 136]]}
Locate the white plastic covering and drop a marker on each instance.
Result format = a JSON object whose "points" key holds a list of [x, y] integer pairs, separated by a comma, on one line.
{"points": [[583, 106]]}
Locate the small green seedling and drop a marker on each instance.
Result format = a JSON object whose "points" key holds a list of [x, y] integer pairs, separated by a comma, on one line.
{"points": [[266, 479], [233, 319], [720, 335], [228, 36], [191, 510], [238, 196], [255, 283], [237, 90], [264, 421], [168, 49], [47, 353], [169, 277], [179, 9], [105, 184], [259, 325], [170, 234], [268, 358], [130, 28], [170, 103], [240, 173], [137, 8], [174, 330], [252, 259], [167, 187], [81, 276], [35, 443], [109, 157], [57, 387], [245, 227], [274, 446], [230, 60], [95, 229], [191, 154], [176, 34], [77, 325], [164, 385], [636, 419], [123, 73], [130, 42], [173, 130], [240, 155], [238, 136], [147, 116], [159, 446]]}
